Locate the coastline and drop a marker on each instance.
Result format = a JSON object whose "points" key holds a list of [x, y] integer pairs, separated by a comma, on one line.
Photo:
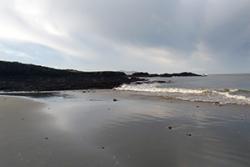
{"points": [[16, 76], [133, 131]]}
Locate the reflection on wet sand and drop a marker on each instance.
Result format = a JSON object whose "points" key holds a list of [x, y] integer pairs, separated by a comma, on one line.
{"points": [[134, 131]]}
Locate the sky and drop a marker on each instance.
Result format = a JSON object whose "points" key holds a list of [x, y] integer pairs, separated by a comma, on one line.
{"points": [[203, 36]]}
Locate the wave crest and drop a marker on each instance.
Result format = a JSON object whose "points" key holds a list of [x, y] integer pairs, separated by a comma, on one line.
{"points": [[223, 96]]}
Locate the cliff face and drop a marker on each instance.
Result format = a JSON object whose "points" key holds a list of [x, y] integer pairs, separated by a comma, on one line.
{"points": [[25, 77]]}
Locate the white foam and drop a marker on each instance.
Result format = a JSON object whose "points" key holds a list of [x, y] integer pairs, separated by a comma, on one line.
{"points": [[204, 95], [233, 90], [238, 97], [153, 88]]}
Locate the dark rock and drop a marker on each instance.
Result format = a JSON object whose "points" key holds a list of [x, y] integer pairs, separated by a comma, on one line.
{"points": [[139, 83], [25, 77], [183, 74], [115, 100], [16, 76], [140, 74], [151, 82], [170, 127], [46, 138], [160, 81], [218, 104], [189, 134], [136, 79]]}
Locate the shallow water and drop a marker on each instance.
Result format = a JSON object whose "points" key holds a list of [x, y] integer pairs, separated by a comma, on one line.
{"points": [[213, 81], [90, 129], [223, 89]]}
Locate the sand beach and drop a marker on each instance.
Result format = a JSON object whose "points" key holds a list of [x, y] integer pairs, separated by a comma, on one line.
{"points": [[90, 128]]}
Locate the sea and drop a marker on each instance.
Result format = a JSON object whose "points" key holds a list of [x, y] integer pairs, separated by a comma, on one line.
{"points": [[217, 88]]}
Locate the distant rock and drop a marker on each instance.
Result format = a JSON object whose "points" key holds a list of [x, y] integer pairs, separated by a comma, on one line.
{"points": [[152, 82], [183, 74], [143, 74]]}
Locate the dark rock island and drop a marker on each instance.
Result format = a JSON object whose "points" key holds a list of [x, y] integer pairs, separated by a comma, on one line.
{"points": [[183, 74], [16, 76]]}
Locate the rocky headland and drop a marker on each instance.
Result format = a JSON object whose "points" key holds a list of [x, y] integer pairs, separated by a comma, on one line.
{"points": [[15, 76]]}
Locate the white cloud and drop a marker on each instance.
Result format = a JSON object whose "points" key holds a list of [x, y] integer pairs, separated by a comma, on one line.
{"points": [[151, 35]]}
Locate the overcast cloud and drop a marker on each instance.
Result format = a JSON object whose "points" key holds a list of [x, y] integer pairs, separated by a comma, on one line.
{"points": [[205, 36]]}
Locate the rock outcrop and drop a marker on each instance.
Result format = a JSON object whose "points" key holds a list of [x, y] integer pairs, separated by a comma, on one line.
{"points": [[26, 77]]}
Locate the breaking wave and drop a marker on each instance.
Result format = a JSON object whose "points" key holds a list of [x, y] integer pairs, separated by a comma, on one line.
{"points": [[221, 96]]}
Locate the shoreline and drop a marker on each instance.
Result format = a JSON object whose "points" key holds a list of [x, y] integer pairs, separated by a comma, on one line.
{"points": [[42, 94], [135, 131]]}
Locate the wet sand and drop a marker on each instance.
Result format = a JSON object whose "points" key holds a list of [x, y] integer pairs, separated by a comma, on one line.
{"points": [[91, 129]]}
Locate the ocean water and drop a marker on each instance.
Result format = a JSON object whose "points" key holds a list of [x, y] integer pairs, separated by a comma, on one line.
{"points": [[221, 89]]}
